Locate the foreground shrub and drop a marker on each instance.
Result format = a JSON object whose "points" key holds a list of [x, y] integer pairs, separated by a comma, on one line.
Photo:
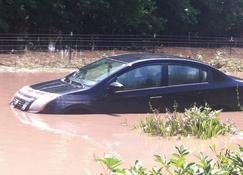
{"points": [[227, 162], [201, 122]]}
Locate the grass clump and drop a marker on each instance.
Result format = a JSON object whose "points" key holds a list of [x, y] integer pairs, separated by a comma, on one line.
{"points": [[226, 162], [201, 122]]}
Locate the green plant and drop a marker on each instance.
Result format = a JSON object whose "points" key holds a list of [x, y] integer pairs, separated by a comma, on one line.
{"points": [[177, 162], [201, 122], [227, 162]]}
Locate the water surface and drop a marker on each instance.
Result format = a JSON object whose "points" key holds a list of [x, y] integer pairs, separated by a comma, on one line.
{"points": [[68, 144]]}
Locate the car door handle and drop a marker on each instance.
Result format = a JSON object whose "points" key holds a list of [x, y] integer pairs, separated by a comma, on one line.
{"points": [[156, 97]]}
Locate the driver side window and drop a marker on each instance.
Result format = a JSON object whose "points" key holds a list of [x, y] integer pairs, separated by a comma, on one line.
{"points": [[142, 77]]}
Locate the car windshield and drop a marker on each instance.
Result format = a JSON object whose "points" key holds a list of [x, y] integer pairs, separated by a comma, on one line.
{"points": [[93, 73]]}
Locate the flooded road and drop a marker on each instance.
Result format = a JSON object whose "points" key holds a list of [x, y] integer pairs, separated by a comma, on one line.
{"points": [[68, 144]]}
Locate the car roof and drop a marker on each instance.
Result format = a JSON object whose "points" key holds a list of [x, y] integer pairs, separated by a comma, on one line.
{"points": [[144, 57], [132, 58]]}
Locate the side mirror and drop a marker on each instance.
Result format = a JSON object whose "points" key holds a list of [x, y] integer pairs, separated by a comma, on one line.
{"points": [[115, 86]]}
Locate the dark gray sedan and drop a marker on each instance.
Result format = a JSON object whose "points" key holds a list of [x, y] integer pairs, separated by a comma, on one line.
{"points": [[133, 83]]}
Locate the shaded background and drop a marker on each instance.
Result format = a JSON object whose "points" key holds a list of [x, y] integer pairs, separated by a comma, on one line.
{"points": [[167, 17]]}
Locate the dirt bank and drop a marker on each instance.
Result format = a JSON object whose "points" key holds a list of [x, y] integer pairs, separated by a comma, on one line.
{"points": [[221, 58], [67, 144]]}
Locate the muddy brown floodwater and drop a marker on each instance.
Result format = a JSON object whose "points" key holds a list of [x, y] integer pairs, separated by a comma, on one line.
{"points": [[68, 144]]}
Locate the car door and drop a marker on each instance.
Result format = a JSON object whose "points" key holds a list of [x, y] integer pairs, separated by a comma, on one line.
{"points": [[187, 85], [223, 93], [142, 88]]}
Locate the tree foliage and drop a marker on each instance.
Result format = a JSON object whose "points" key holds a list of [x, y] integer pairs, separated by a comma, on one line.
{"points": [[219, 17], [208, 17]]}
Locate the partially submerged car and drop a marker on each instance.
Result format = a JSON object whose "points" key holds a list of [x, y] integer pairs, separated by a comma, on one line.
{"points": [[133, 83]]}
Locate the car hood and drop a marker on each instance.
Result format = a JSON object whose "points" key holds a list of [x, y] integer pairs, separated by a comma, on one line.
{"points": [[55, 86]]}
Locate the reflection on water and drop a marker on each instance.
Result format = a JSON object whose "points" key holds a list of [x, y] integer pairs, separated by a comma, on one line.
{"points": [[38, 122], [68, 144], [113, 141], [65, 128]]}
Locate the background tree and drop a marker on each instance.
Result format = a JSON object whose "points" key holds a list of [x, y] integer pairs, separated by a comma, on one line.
{"points": [[180, 15], [219, 17], [205, 17]]}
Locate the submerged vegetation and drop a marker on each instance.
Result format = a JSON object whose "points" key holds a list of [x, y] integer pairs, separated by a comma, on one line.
{"points": [[201, 122], [226, 162]]}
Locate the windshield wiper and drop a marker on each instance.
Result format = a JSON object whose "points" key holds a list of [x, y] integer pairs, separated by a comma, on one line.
{"points": [[71, 81]]}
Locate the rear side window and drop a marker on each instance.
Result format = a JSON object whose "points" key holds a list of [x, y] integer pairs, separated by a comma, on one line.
{"points": [[180, 74], [142, 77]]}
